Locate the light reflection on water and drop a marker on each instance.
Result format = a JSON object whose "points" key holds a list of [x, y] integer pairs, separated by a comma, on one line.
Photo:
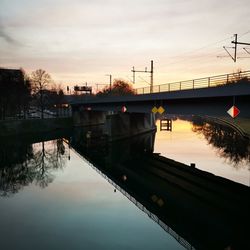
{"points": [[49, 202], [212, 147], [50, 197]]}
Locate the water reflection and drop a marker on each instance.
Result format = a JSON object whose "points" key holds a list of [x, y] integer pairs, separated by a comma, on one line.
{"points": [[23, 163], [199, 209], [230, 144]]}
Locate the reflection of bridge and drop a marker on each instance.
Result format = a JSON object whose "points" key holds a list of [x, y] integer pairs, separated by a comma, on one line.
{"points": [[197, 208], [152, 216]]}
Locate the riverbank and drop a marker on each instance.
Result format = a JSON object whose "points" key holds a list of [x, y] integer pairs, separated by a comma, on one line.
{"points": [[18, 127]]}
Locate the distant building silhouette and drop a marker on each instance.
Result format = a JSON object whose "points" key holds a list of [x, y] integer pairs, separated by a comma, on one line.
{"points": [[14, 92], [8, 76]]}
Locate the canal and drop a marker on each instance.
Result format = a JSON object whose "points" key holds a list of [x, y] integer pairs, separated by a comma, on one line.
{"points": [[75, 190]]}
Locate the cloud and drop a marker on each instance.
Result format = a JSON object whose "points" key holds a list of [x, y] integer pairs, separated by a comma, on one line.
{"points": [[4, 35]]}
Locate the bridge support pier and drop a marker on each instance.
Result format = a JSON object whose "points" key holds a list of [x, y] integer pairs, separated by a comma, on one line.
{"points": [[123, 125], [87, 118]]}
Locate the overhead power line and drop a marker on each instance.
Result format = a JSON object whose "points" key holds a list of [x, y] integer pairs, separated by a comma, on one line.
{"points": [[236, 43], [151, 71]]}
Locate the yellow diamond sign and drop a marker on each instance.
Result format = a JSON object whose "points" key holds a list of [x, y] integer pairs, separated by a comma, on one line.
{"points": [[161, 110], [154, 110]]}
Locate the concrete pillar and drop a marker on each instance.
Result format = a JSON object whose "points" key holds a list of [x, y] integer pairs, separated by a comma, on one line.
{"points": [[83, 117], [123, 125]]}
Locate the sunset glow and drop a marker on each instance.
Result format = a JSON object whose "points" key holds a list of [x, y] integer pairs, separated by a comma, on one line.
{"points": [[82, 41]]}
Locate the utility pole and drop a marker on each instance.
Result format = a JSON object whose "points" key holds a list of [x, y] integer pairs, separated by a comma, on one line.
{"points": [[235, 46], [133, 70], [146, 71], [152, 76], [110, 82], [236, 43]]}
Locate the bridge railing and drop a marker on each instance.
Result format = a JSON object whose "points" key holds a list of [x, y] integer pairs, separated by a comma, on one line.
{"points": [[205, 82]]}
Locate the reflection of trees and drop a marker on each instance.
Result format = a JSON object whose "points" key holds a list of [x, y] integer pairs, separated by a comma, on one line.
{"points": [[230, 144], [26, 164]]}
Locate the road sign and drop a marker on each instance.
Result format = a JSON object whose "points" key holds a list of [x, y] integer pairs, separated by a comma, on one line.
{"points": [[124, 109], [233, 111], [154, 110], [160, 110]]}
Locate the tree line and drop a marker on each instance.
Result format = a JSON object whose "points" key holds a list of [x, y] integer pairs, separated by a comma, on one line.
{"points": [[20, 91]]}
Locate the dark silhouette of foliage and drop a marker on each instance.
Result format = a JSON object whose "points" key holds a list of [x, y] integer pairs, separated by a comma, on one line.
{"points": [[45, 93], [238, 78], [23, 164], [15, 93], [228, 142], [118, 88], [41, 81]]}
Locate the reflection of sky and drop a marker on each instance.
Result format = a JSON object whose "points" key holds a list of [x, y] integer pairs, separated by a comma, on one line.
{"points": [[82, 40], [188, 147], [79, 210]]}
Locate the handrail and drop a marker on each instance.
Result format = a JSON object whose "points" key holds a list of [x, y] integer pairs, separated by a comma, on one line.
{"points": [[204, 82]]}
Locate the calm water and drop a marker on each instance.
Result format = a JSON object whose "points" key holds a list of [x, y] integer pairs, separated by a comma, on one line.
{"points": [[212, 147], [51, 202], [52, 197]]}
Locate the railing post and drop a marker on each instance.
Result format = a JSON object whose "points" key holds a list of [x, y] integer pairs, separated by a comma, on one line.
{"points": [[143, 91], [227, 78], [169, 87], [208, 81], [180, 85], [193, 84], [159, 88]]}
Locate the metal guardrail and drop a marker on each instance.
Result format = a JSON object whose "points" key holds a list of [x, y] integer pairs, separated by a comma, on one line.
{"points": [[152, 216], [206, 82]]}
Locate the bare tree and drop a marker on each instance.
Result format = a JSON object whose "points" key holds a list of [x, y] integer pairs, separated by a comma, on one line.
{"points": [[41, 81]]}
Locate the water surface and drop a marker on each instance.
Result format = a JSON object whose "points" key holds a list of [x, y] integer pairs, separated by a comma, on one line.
{"points": [[66, 191], [215, 148], [50, 202]]}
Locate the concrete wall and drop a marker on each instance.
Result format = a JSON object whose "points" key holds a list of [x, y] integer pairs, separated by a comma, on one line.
{"points": [[17, 127], [123, 125], [86, 118]]}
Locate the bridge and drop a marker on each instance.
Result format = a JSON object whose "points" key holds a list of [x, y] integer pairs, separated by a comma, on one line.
{"points": [[211, 96]]}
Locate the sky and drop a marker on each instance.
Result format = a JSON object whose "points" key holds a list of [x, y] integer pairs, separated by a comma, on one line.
{"points": [[78, 41]]}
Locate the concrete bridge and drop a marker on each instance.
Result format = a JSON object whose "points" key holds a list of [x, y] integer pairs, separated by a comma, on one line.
{"points": [[212, 101]]}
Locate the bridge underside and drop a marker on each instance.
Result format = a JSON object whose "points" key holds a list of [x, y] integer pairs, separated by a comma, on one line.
{"points": [[212, 106], [214, 101]]}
